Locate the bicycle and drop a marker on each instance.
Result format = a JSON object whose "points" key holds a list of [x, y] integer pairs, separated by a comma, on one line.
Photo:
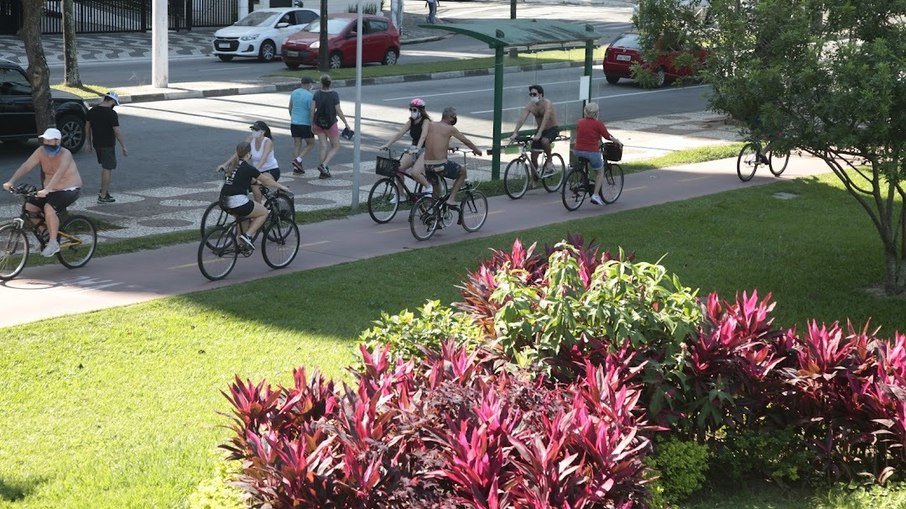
{"points": [[578, 185], [430, 214], [219, 248], [752, 155], [384, 196], [520, 171], [214, 216], [77, 236]]}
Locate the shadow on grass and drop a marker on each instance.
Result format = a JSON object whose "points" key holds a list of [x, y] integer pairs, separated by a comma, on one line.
{"points": [[15, 491]]}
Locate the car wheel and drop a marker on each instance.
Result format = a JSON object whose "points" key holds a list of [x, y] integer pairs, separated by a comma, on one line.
{"points": [[291, 65], [612, 79], [391, 57], [73, 130], [336, 61], [660, 77], [268, 51], [225, 58]]}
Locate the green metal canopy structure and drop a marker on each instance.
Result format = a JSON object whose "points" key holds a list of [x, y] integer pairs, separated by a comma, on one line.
{"points": [[530, 34]]}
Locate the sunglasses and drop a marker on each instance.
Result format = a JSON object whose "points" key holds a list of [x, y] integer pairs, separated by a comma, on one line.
{"points": [[413, 109], [533, 94]]}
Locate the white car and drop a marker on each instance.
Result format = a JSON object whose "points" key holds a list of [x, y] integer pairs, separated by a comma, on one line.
{"points": [[261, 34]]}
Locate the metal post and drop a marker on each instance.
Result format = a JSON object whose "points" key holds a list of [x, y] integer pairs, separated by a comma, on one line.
{"points": [[498, 112], [160, 65], [356, 147]]}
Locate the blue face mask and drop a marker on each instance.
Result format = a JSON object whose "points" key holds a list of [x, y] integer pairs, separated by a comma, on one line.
{"points": [[52, 149]]}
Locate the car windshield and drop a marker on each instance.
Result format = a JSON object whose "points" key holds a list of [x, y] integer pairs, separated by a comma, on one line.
{"points": [[258, 19], [630, 41], [334, 26]]}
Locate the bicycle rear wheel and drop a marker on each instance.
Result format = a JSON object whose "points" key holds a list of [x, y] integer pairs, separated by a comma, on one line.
{"points": [[554, 179], [383, 200], [574, 188], [13, 251], [516, 178], [423, 218], [473, 211], [777, 162], [280, 244], [747, 162], [213, 217], [217, 253], [78, 239], [612, 187]]}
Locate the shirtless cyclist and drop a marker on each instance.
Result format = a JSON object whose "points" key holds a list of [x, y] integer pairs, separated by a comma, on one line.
{"points": [[437, 147], [545, 118]]}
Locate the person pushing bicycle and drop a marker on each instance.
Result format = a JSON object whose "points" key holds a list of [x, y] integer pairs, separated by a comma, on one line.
{"points": [[62, 184]]}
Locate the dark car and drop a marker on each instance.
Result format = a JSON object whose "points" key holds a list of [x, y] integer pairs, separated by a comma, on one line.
{"points": [[625, 51], [17, 110], [380, 42]]}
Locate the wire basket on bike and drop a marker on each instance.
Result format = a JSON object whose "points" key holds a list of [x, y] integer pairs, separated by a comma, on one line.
{"points": [[613, 151], [386, 166]]}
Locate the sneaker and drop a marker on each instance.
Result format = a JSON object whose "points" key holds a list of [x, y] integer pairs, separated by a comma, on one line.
{"points": [[106, 199], [401, 199], [547, 171], [325, 172], [247, 241], [429, 190], [52, 248], [297, 168], [596, 199]]}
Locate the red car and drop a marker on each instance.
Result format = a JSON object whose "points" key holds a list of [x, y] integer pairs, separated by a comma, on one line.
{"points": [[625, 50], [380, 42]]}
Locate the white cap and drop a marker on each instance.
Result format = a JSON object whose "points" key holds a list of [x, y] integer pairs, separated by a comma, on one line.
{"points": [[52, 134], [113, 96]]}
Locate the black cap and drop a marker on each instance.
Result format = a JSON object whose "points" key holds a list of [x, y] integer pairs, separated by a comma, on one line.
{"points": [[306, 80], [259, 125]]}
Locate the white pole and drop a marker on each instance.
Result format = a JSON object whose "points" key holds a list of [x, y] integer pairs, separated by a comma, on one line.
{"points": [[160, 64], [357, 144]]}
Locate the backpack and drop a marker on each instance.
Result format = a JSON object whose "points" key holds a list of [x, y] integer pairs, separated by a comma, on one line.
{"points": [[325, 110]]}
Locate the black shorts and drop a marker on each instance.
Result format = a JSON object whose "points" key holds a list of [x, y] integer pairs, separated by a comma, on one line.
{"points": [[106, 157], [59, 200], [301, 131], [240, 211], [275, 173], [550, 133], [451, 170]]}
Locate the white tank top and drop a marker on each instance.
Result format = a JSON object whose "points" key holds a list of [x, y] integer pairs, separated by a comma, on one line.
{"points": [[268, 164]]}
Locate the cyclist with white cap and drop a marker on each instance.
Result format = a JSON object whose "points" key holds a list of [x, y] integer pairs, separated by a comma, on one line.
{"points": [[62, 184], [417, 126]]}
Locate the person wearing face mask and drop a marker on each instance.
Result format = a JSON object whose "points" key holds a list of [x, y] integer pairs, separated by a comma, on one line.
{"points": [[103, 131], [417, 126], [62, 184], [545, 119], [437, 146], [262, 154]]}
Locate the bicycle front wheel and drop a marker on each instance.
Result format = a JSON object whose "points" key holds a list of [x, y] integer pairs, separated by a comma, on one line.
{"points": [[473, 211], [747, 162], [78, 238], [280, 244], [574, 188], [213, 217], [13, 251], [554, 177], [516, 178], [777, 162], [423, 218], [217, 253], [383, 200], [286, 209], [612, 187]]}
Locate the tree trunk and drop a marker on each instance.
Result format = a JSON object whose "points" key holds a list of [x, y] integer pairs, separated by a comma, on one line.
{"points": [[70, 54], [323, 64], [37, 72]]}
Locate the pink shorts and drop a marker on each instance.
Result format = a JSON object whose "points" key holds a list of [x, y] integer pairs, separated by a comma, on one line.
{"points": [[331, 132]]}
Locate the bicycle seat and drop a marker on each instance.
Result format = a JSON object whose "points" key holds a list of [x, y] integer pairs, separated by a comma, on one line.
{"points": [[523, 139]]}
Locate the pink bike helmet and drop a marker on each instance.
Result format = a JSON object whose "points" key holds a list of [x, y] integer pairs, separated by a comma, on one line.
{"points": [[417, 103]]}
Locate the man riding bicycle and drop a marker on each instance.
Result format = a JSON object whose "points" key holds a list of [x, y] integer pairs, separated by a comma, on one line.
{"points": [[437, 146]]}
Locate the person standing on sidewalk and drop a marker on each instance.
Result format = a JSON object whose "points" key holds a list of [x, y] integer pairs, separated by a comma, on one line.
{"points": [[432, 11], [325, 107], [545, 118], [589, 131], [300, 123], [103, 131]]}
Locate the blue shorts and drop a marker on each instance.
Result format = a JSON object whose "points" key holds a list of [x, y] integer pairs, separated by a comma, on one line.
{"points": [[594, 157]]}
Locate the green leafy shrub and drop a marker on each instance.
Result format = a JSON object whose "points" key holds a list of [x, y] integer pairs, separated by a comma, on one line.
{"points": [[859, 497], [680, 467], [782, 455], [370, 8]]}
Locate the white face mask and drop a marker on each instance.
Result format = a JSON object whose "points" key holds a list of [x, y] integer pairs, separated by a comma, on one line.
{"points": [[257, 134], [535, 98], [414, 115]]}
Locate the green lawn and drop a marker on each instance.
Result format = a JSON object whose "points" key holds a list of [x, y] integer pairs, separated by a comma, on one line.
{"points": [[119, 408]]}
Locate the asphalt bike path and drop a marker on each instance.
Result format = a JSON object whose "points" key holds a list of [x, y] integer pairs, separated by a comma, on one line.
{"points": [[52, 290]]}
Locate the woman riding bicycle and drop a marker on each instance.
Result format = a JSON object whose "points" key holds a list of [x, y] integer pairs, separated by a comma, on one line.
{"points": [[234, 198], [261, 143], [589, 131], [417, 126]]}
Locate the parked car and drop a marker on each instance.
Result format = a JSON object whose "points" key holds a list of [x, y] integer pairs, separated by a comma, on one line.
{"points": [[380, 42], [17, 110], [261, 34], [625, 51]]}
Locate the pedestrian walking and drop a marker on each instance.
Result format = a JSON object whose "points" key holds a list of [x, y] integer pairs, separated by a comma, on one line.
{"points": [[432, 11], [300, 123], [103, 131], [325, 107]]}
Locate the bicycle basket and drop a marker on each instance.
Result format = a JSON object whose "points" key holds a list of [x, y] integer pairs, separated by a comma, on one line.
{"points": [[386, 166], [613, 152]]}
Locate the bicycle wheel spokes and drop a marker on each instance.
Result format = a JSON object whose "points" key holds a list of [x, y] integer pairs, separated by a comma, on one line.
{"points": [[612, 187], [13, 251], [551, 179], [777, 161], [280, 244], [516, 178], [423, 218], [383, 200], [217, 253], [78, 239], [574, 188], [286, 209], [474, 211], [747, 162]]}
